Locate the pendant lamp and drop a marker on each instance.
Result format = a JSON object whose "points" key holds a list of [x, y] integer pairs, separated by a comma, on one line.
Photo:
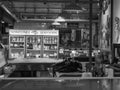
{"points": [[59, 19]]}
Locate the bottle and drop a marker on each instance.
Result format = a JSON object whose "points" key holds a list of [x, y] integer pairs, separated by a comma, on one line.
{"points": [[33, 40], [55, 40], [17, 39], [30, 39], [11, 39], [39, 40], [51, 41], [44, 40], [47, 40]]}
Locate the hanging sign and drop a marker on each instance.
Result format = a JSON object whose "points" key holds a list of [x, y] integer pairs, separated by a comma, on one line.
{"points": [[33, 32]]}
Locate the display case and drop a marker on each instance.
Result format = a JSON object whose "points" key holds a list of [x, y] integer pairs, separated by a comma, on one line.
{"points": [[33, 43], [50, 46], [33, 46], [16, 46]]}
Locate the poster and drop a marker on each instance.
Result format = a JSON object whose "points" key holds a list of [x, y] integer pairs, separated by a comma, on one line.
{"points": [[105, 26], [116, 21], [85, 38]]}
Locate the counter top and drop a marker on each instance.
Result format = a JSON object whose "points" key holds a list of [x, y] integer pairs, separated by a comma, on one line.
{"points": [[35, 60]]}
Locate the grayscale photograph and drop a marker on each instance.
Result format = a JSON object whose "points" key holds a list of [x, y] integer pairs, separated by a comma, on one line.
{"points": [[59, 44]]}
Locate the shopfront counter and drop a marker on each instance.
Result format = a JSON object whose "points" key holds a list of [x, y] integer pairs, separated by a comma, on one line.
{"points": [[60, 84], [34, 60], [32, 66], [37, 67], [47, 60]]}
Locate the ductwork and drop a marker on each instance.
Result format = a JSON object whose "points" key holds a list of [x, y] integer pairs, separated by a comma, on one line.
{"points": [[11, 14]]}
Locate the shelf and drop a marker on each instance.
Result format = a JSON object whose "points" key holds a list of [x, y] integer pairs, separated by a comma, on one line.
{"points": [[17, 42], [50, 44], [33, 50], [17, 48], [49, 50], [33, 42]]}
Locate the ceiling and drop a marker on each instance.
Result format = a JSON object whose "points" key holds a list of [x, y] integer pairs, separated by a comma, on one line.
{"points": [[49, 9]]}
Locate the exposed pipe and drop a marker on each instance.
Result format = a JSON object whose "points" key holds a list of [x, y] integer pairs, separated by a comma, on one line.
{"points": [[11, 14]]}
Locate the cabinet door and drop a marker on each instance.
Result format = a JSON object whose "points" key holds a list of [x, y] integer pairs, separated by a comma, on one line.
{"points": [[17, 47], [50, 46], [33, 46]]}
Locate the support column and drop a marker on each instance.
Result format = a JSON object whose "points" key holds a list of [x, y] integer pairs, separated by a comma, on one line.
{"points": [[90, 34], [1, 16], [112, 46]]}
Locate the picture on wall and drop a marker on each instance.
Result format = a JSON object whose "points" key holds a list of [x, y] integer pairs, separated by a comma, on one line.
{"points": [[116, 22], [116, 31], [105, 37], [104, 6], [85, 38], [105, 26]]}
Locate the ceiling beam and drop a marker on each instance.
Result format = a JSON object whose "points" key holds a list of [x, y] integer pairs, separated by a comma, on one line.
{"points": [[50, 13], [67, 20], [53, 1], [44, 7]]}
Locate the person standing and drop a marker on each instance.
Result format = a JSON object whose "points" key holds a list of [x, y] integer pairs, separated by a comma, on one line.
{"points": [[98, 69]]}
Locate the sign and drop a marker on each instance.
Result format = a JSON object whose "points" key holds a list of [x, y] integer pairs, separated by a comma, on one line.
{"points": [[33, 32]]}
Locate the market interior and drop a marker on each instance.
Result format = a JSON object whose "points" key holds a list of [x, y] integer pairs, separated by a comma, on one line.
{"points": [[57, 38]]}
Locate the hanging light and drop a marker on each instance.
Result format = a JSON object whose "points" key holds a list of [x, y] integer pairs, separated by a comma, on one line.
{"points": [[59, 19], [56, 23]]}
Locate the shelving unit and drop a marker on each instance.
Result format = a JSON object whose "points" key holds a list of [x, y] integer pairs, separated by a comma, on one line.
{"points": [[34, 46], [16, 46], [33, 43], [50, 46]]}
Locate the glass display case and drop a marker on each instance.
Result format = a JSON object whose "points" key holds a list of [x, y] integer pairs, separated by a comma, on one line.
{"points": [[33, 46], [50, 46], [33, 43], [16, 46]]}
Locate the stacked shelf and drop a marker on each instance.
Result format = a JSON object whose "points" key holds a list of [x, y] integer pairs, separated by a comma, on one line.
{"points": [[17, 46], [50, 47], [33, 44]]}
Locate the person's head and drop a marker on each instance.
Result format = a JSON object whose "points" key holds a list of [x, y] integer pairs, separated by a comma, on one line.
{"points": [[98, 58]]}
